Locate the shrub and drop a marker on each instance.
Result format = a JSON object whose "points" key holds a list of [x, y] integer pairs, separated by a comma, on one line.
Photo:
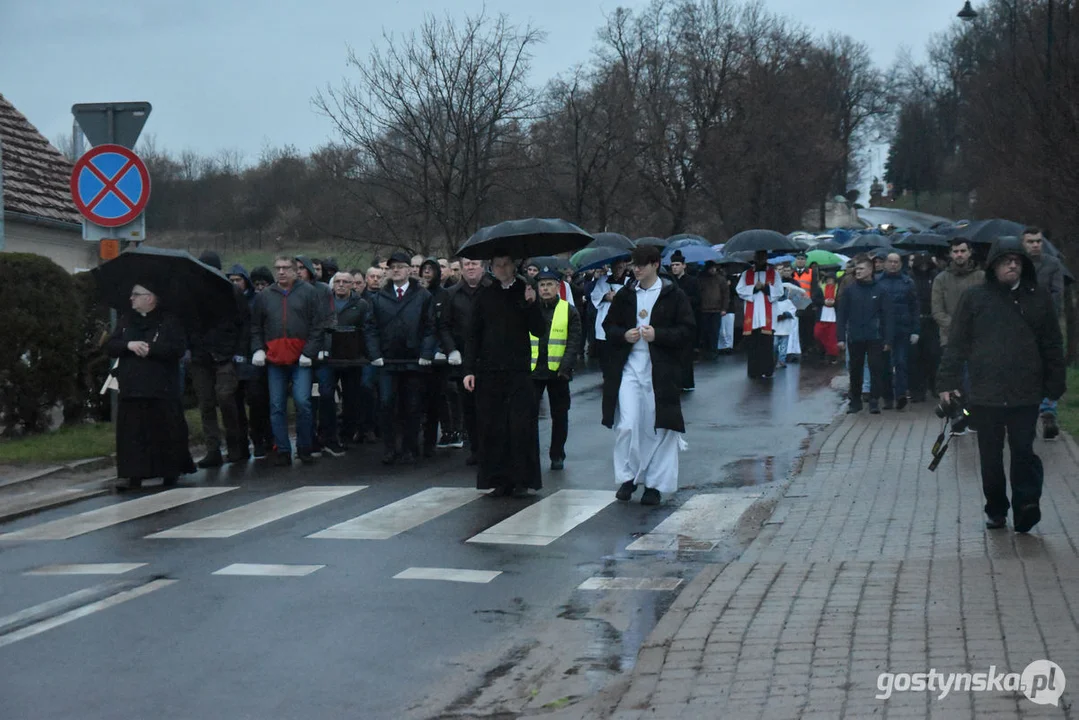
{"points": [[87, 402], [39, 340]]}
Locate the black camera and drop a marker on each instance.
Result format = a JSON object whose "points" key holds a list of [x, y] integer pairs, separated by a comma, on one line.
{"points": [[953, 412]]}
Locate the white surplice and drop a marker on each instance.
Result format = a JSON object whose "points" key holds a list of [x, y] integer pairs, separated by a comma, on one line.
{"points": [[759, 298], [642, 453]]}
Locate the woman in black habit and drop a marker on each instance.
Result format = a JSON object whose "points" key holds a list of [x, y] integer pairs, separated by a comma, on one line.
{"points": [[151, 433], [498, 369]]}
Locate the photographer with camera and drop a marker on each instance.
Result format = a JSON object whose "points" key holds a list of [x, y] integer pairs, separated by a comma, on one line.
{"points": [[1005, 329]]}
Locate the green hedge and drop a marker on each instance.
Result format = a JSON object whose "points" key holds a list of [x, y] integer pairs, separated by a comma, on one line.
{"points": [[39, 341]]}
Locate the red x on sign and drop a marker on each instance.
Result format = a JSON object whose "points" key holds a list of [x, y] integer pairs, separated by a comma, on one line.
{"points": [[110, 185]]}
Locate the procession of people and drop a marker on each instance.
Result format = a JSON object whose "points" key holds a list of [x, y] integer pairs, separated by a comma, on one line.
{"points": [[425, 353]]}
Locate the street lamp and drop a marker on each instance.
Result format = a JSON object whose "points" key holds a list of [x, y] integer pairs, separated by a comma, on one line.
{"points": [[968, 12]]}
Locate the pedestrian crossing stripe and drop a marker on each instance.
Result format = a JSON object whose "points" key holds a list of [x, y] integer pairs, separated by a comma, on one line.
{"points": [[448, 574], [253, 515], [86, 569], [696, 526], [264, 570], [405, 514], [67, 528]]}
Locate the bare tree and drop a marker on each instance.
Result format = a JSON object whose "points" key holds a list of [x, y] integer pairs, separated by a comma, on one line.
{"points": [[431, 115]]}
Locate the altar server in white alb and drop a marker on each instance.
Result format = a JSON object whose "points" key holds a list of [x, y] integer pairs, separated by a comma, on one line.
{"points": [[648, 327], [761, 287]]}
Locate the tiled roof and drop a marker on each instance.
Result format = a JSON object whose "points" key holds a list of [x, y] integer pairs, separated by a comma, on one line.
{"points": [[36, 175]]}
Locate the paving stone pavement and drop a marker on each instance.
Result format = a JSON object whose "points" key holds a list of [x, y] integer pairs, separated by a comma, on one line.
{"points": [[873, 564]]}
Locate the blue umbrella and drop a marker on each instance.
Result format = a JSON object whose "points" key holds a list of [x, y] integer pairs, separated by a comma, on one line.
{"points": [[693, 254], [781, 259], [686, 240]]}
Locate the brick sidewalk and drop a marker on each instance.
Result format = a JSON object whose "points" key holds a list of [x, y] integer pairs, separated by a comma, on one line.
{"points": [[871, 563]]}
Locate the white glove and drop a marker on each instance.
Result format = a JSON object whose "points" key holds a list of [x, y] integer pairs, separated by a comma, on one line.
{"points": [[259, 358], [913, 339], [377, 362], [440, 356], [305, 361], [424, 362], [455, 357], [322, 354]]}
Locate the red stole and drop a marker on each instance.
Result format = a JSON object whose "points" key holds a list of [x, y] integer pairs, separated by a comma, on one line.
{"points": [[747, 322], [562, 290]]}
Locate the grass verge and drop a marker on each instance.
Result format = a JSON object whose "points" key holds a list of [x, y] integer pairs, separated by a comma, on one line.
{"points": [[75, 442]]}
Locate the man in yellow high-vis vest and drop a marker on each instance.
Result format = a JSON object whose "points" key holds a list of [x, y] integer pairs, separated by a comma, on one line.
{"points": [[553, 357]]}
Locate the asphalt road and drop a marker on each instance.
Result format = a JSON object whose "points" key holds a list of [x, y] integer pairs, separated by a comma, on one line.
{"points": [[343, 638]]}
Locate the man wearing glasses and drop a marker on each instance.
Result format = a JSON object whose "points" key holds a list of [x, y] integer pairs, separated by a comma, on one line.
{"points": [[286, 337], [1006, 331]]}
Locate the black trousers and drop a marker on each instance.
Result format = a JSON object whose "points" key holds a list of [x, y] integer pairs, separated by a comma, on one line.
{"points": [[710, 333], [400, 399], [760, 354], [434, 405], [468, 412], [257, 393], [859, 351], [351, 379], [215, 387], [1020, 425], [449, 416], [558, 397], [924, 359]]}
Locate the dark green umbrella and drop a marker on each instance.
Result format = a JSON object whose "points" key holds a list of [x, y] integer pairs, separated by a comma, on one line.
{"points": [[757, 240], [653, 241]]}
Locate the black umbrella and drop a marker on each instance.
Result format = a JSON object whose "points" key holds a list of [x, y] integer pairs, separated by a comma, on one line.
{"points": [[865, 243], [525, 238], [654, 241], [597, 257], [612, 239], [550, 261], [757, 240], [986, 232], [193, 290], [922, 241]]}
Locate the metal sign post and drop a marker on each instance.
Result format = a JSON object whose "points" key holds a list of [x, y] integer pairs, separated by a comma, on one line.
{"points": [[110, 184]]}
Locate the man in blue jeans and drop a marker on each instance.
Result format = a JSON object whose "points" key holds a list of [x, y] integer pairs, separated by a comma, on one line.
{"points": [[286, 337]]}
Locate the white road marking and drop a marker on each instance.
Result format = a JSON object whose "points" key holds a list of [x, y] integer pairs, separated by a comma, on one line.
{"points": [[86, 569], [405, 514], [449, 574], [255, 569], [80, 524], [698, 525], [80, 612], [547, 520], [50, 606], [630, 583], [253, 515]]}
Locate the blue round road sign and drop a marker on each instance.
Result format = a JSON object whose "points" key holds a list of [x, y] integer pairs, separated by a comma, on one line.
{"points": [[110, 185]]}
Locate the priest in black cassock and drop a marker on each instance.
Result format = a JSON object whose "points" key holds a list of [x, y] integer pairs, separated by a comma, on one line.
{"points": [[498, 369]]}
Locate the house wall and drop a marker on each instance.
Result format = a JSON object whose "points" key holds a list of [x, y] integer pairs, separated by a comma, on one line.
{"points": [[65, 248]]}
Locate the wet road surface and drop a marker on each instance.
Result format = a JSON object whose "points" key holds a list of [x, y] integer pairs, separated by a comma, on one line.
{"points": [[217, 602]]}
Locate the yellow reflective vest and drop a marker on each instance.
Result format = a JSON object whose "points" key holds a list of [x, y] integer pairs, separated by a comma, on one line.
{"points": [[556, 340]]}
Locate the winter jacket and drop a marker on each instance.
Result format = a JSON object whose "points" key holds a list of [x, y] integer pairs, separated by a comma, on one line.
{"points": [[714, 291], [438, 299], [904, 296], [158, 374], [948, 286], [573, 342], [401, 329], [1009, 339], [281, 318], [864, 314], [1051, 277], [455, 323], [676, 329], [352, 319]]}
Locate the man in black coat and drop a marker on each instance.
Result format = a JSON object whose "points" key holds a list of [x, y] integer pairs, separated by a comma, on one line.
{"points": [[691, 288], [497, 365], [346, 352], [400, 334], [455, 328], [1006, 331], [649, 327]]}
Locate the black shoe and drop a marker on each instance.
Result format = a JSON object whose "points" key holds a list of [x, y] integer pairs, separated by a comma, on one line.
{"points": [[472, 459], [852, 409], [238, 458], [128, 485], [283, 459], [334, 448], [213, 459], [170, 481], [261, 450], [901, 403], [558, 464], [650, 497], [500, 491], [407, 458], [889, 405], [1026, 517], [457, 441], [389, 458], [625, 492], [1049, 427], [996, 522], [306, 457], [873, 409], [445, 441], [520, 491]]}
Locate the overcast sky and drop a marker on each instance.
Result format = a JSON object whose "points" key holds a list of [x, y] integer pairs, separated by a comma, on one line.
{"points": [[240, 74]]}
